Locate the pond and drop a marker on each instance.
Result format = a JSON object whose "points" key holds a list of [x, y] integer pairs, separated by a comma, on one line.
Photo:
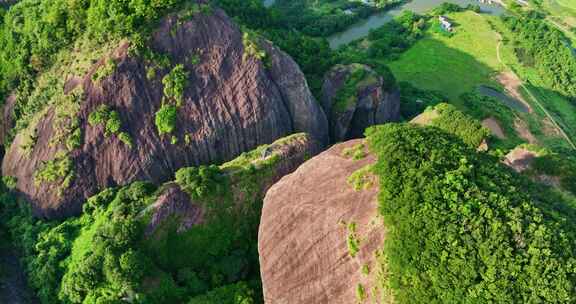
{"points": [[362, 28], [505, 99]]}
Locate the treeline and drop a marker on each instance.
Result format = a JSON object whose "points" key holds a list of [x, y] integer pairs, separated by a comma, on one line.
{"points": [[323, 18], [546, 49]]}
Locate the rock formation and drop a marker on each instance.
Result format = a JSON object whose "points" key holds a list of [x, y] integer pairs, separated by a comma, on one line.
{"points": [[520, 159], [309, 220], [283, 157], [235, 99], [6, 119], [354, 98]]}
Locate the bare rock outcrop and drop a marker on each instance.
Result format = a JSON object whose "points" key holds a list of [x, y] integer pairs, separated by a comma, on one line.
{"points": [[354, 98], [174, 204], [520, 159], [309, 219], [7, 118], [233, 101]]}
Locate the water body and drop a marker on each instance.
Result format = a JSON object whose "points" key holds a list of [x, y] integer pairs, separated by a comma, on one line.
{"points": [[363, 27], [505, 99]]}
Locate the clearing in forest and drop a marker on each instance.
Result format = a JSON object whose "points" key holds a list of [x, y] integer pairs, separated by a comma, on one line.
{"points": [[453, 64]]}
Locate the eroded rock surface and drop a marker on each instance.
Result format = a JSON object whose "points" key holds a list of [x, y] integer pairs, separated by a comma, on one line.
{"points": [[520, 159], [6, 118], [354, 99], [305, 225], [283, 156], [233, 102]]}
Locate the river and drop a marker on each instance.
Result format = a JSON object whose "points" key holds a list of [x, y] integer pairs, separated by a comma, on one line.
{"points": [[363, 27], [504, 98]]}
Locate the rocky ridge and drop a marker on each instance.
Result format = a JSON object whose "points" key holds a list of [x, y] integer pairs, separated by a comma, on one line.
{"points": [[235, 99]]}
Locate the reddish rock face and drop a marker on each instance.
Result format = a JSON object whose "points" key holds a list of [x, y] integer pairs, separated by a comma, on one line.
{"points": [[304, 256], [6, 118], [233, 102], [369, 104], [175, 205]]}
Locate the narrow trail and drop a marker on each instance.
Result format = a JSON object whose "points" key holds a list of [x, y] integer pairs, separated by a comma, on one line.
{"points": [[534, 99]]}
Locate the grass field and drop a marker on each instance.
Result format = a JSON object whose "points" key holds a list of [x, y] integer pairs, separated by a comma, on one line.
{"points": [[458, 64], [452, 65]]}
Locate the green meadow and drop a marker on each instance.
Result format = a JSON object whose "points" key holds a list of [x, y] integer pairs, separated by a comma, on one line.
{"points": [[453, 64]]}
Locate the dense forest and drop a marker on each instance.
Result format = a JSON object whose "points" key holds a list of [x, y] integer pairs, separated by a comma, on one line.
{"points": [[465, 229], [545, 48]]}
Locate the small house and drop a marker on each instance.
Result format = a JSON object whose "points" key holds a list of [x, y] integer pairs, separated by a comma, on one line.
{"points": [[445, 23]]}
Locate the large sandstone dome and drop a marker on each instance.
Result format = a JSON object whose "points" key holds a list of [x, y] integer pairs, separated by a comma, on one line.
{"points": [[240, 92], [320, 233]]}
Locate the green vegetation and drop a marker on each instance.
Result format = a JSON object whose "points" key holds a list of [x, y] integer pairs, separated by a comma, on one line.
{"points": [[166, 119], [560, 165], [251, 47], [239, 293], [388, 41], [322, 18], [544, 48], [352, 240], [456, 122], [452, 65], [106, 117], [126, 139], [110, 120], [313, 55], [365, 269], [414, 101], [201, 182], [104, 70], [347, 94], [360, 293], [356, 152], [532, 44], [9, 181], [34, 31], [362, 179], [483, 107], [464, 229], [108, 253], [175, 83], [60, 169]]}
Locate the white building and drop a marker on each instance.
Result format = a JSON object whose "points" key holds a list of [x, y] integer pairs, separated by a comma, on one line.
{"points": [[445, 23]]}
